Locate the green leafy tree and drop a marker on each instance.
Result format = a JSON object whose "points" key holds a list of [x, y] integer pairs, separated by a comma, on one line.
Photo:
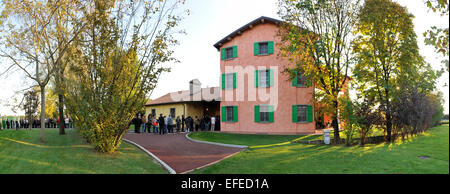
{"points": [[30, 105], [116, 62], [347, 116], [386, 47], [438, 37], [317, 38], [31, 41]]}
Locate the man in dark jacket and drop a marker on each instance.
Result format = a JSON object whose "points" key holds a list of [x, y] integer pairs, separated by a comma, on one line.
{"points": [[137, 124], [161, 124], [183, 121]]}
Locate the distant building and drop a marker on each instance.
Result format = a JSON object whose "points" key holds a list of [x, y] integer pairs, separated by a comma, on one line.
{"points": [[196, 101]]}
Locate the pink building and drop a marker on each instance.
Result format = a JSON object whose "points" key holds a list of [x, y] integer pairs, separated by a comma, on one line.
{"points": [[257, 97]]}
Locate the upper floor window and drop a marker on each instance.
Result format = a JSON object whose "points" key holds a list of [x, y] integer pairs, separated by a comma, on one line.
{"points": [[229, 81], [264, 78], [228, 53], [263, 48], [300, 80]]}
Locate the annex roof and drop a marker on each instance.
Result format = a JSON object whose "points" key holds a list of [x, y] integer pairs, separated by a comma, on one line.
{"points": [[207, 94]]}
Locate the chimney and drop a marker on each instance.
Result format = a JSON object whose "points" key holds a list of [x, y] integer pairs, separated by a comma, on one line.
{"points": [[194, 87]]}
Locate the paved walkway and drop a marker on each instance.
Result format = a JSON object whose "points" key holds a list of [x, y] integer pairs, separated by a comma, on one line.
{"points": [[179, 153]]}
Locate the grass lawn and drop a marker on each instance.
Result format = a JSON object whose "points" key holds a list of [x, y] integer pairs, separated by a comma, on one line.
{"points": [[294, 158], [22, 153], [248, 139]]}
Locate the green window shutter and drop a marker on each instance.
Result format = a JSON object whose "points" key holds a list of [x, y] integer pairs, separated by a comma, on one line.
{"points": [[235, 113], [235, 52], [223, 81], [295, 81], [222, 54], [256, 113], [256, 78], [271, 113], [294, 113], [270, 47], [224, 114], [234, 80], [270, 77], [256, 48], [309, 114]]}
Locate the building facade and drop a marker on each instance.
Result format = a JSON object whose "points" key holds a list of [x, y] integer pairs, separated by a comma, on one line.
{"points": [[257, 97], [195, 102]]}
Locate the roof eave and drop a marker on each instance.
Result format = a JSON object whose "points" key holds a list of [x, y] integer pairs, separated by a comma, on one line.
{"points": [[262, 19]]}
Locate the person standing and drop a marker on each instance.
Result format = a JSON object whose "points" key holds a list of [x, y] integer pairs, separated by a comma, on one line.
{"points": [[213, 123], [170, 123], [218, 123], [137, 126], [197, 123], [143, 123], [188, 128], [154, 124], [183, 121], [161, 124], [178, 121], [7, 123]]}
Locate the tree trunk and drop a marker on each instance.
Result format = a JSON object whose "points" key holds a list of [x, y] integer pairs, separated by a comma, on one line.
{"points": [[388, 122], [42, 114], [61, 113], [337, 138]]}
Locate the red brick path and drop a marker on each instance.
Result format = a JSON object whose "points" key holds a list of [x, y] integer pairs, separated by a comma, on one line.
{"points": [[178, 152]]}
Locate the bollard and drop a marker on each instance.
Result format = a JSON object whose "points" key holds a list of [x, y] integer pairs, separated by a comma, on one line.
{"points": [[326, 136]]}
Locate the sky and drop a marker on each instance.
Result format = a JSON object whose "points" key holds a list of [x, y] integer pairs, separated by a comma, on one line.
{"points": [[212, 20]]}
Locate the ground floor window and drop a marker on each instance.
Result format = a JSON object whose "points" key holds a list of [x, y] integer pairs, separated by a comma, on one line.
{"points": [[302, 113], [264, 113], [172, 112], [229, 114]]}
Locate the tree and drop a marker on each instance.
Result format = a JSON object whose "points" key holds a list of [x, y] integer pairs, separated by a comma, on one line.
{"points": [[32, 42], [438, 37], [385, 47], [365, 118], [30, 105], [415, 111], [116, 62], [347, 116], [317, 38]]}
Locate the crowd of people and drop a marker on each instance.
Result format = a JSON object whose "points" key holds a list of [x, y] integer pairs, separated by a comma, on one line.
{"points": [[7, 123], [167, 124]]}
